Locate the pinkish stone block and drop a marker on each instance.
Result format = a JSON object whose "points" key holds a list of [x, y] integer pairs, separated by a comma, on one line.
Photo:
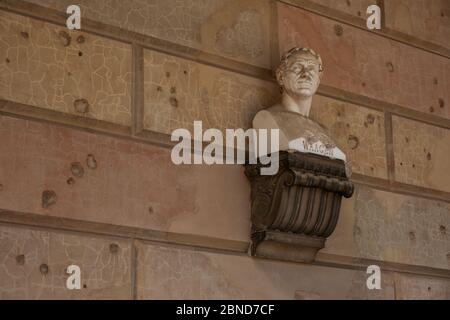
{"points": [[361, 62], [424, 19], [134, 184], [354, 7]]}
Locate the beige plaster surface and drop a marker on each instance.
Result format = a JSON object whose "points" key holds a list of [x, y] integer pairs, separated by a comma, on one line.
{"points": [[104, 274], [51, 67]]}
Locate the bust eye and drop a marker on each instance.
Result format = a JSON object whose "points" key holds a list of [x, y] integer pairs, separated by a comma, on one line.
{"points": [[311, 68], [297, 69]]}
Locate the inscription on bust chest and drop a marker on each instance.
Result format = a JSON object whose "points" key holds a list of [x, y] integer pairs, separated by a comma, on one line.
{"points": [[319, 148]]}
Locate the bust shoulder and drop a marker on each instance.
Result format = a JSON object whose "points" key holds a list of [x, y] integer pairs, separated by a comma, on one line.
{"points": [[265, 118]]}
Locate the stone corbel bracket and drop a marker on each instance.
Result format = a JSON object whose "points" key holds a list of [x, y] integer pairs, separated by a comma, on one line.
{"points": [[294, 211]]}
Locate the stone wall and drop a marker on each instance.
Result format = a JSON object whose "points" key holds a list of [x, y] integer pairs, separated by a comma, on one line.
{"points": [[86, 117]]}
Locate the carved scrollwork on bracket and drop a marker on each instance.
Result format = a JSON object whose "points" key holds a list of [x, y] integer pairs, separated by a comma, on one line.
{"points": [[294, 211]]}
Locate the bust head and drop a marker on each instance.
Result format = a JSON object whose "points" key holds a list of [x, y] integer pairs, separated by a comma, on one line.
{"points": [[299, 73]]}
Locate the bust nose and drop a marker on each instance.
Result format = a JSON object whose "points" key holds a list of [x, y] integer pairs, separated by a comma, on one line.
{"points": [[305, 74]]}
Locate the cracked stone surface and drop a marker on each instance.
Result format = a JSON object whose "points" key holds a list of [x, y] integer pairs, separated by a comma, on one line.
{"points": [[421, 154], [134, 177], [244, 37], [358, 62], [410, 287], [347, 121], [219, 98], [130, 178], [199, 24], [425, 19], [43, 71], [175, 273], [354, 7], [103, 275], [378, 225]]}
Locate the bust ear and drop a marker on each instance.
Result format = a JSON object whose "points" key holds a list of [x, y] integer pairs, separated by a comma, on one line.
{"points": [[279, 75], [320, 75]]}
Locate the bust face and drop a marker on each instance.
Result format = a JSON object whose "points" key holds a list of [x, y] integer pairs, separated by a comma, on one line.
{"points": [[300, 76]]}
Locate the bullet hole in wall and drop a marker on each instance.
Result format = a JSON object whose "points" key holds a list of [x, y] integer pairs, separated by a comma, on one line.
{"points": [[431, 109], [24, 34], [71, 181], [150, 210], [81, 39], [441, 102], [173, 102], [113, 248], [64, 38], [406, 139], [390, 66], [49, 198], [80, 54], [370, 119], [91, 162], [412, 235], [173, 90], [81, 106], [158, 88], [428, 156], [20, 259], [442, 229], [43, 269], [7, 60], [353, 142], [77, 169], [435, 81], [168, 74], [338, 30]]}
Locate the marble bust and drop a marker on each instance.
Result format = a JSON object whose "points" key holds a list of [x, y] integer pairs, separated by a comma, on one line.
{"points": [[299, 76]]}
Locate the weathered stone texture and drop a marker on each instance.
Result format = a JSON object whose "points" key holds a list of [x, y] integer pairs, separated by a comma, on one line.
{"points": [[141, 181], [392, 227], [421, 154], [354, 7], [173, 273], [33, 265], [179, 91], [134, 184], [359, 133], [46, 66], [425, 19], [358, 61], [236, 29], [410, 287]]}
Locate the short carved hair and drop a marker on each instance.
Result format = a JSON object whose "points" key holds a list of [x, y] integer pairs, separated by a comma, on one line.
{"points": [[296, 50]]}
